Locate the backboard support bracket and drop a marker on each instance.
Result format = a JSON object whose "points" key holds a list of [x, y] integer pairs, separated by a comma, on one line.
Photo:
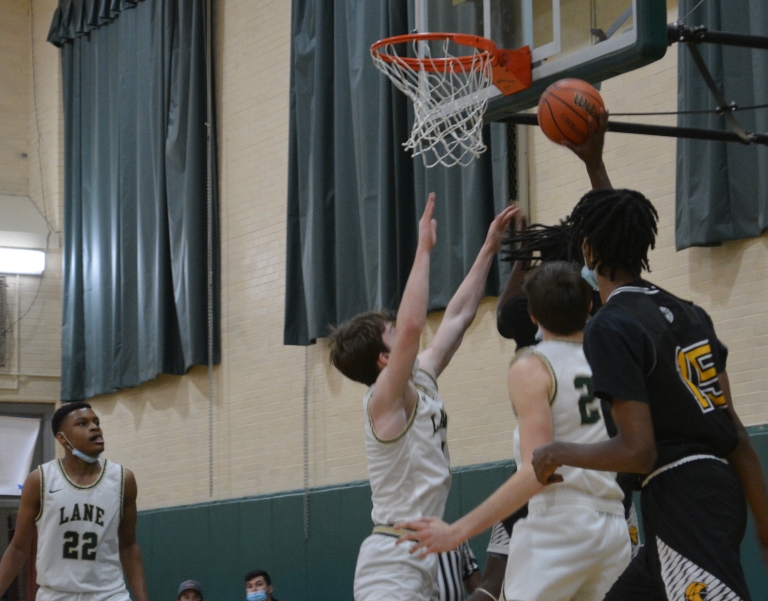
{"points": [[692, 37]]}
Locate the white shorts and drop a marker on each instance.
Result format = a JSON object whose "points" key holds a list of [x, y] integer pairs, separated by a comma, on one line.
{"points": [[45, 593], [566, 554], [388, 571]]}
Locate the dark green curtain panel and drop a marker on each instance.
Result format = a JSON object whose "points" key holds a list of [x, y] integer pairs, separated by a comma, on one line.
{"points": [[135, 213], [354, 194], [722, 189]]}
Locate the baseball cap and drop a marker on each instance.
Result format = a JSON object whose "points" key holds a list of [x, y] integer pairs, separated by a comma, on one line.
{"points": [[189, 585]]}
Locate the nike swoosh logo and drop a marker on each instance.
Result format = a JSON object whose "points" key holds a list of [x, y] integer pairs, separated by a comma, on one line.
{"points": [[53, 491]]}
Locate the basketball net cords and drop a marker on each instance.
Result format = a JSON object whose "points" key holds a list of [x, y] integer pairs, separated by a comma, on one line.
{"points": [[690, 12], [445, 131]]}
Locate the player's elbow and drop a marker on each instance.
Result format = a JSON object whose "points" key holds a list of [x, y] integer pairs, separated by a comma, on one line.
{"points": [[643, 457], [410, 327], [504, 330]]}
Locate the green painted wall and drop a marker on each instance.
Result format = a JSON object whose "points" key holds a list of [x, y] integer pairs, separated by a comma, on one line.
{"points": [[217, 543]]}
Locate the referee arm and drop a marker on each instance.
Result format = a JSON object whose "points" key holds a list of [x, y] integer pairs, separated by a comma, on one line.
{"points": [[746, 464], [130, 554], [18, 550]]}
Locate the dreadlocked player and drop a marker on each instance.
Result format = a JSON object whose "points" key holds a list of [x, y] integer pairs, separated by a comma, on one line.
{"points": [[657, 360]]}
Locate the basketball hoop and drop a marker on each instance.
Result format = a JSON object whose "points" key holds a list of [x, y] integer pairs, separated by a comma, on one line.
{"points": [[449, 89]]}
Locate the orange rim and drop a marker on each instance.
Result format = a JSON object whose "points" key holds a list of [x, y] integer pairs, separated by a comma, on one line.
{"points": [[434, 65]]}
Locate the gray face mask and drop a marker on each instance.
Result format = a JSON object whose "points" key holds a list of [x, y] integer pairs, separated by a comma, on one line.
{"points": [[80, 454], [589, 275]]}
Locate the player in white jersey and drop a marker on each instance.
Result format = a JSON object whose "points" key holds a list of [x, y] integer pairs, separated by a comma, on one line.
{"points": [[574, 543], [405, 421], [84, 509]]}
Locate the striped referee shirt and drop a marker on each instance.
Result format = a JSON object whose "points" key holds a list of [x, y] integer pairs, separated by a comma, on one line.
{"points": [[455, 567]]}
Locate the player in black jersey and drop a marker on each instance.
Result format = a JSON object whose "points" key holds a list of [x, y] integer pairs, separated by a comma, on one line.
{"points": [[657, 360]]}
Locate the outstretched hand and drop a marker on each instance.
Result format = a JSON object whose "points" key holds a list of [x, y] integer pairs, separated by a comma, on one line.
{"points": [[431, 535], [499, 226], [428, 225], [545, 465], [591, 151]]}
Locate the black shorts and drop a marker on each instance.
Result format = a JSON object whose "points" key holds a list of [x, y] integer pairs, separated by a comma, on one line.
{"points": [[694, 518]]}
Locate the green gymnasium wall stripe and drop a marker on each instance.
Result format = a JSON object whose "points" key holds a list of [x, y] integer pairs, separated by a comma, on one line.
{"points": [[217, 543]]}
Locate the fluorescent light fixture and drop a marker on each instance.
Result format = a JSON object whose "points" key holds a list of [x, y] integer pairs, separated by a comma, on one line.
{"points": [[22, 261]]}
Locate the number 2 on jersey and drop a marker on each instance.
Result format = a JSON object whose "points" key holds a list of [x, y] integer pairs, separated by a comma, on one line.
{"points": [[72, 541], [589, 415]]}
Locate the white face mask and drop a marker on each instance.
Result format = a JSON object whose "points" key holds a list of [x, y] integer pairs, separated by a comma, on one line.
{"points": [[80, 454], [589, 275]]}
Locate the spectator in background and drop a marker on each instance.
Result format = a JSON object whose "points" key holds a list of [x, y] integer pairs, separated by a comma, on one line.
{"points": [[258, 586], [189, 590]]}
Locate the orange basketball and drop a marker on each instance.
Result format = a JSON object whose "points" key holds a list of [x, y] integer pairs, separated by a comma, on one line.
{"points": [[564, 108]]}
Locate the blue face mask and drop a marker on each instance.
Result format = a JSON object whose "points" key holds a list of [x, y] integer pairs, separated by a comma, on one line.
{"points": [[589, 275], [256, 596], [80, 454]]}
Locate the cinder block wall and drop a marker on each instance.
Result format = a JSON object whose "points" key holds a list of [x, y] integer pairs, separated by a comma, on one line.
{"points": [[160, 430], [31, 165]]}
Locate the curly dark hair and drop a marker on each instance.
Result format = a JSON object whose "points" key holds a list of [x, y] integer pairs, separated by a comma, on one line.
{"points": [[540, 243], [619, 225]]}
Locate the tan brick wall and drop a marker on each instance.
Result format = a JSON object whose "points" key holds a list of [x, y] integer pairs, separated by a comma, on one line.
{"points": [[30, 76], [14, 97], [160, 429]]}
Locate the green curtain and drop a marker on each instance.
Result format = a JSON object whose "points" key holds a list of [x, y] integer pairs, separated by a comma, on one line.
{"points": [[354, 194], [722, 189], [135, 200]]}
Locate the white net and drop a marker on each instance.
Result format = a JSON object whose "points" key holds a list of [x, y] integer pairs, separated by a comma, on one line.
{"points": [[449, 95]]}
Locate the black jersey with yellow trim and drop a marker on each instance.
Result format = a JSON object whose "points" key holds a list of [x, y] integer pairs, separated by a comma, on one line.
{"points": [[648, 345]]}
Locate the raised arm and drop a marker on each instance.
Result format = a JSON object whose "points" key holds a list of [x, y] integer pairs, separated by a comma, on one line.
{"points": [[461, 311], [513, 288], [130, 554], [389, 404], [591, 152], [746, 463], [18, 549], [530, 386]]}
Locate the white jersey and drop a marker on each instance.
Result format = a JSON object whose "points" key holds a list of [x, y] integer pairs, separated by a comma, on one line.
{"points": [[578, 418], [410, 475], [77, 549]]}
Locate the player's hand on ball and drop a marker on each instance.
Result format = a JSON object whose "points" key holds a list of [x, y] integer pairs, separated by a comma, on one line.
{"points": [[428, 225], [499, 227], [431, 535], [591, 150], [545, 465]]}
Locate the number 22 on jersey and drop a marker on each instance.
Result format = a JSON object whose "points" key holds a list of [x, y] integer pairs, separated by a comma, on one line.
{"points": [[72, 542]]}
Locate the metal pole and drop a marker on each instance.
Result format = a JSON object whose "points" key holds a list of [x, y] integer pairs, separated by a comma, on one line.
{"points": [[677, 32], [654, 130], [209, 232]]}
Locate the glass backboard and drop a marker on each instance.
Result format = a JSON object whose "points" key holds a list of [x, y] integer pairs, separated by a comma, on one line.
{"points": [[592, 40]]}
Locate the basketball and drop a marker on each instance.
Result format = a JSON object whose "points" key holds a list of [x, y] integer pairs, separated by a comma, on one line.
{"points": [[696, 591], [564, 110]]}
